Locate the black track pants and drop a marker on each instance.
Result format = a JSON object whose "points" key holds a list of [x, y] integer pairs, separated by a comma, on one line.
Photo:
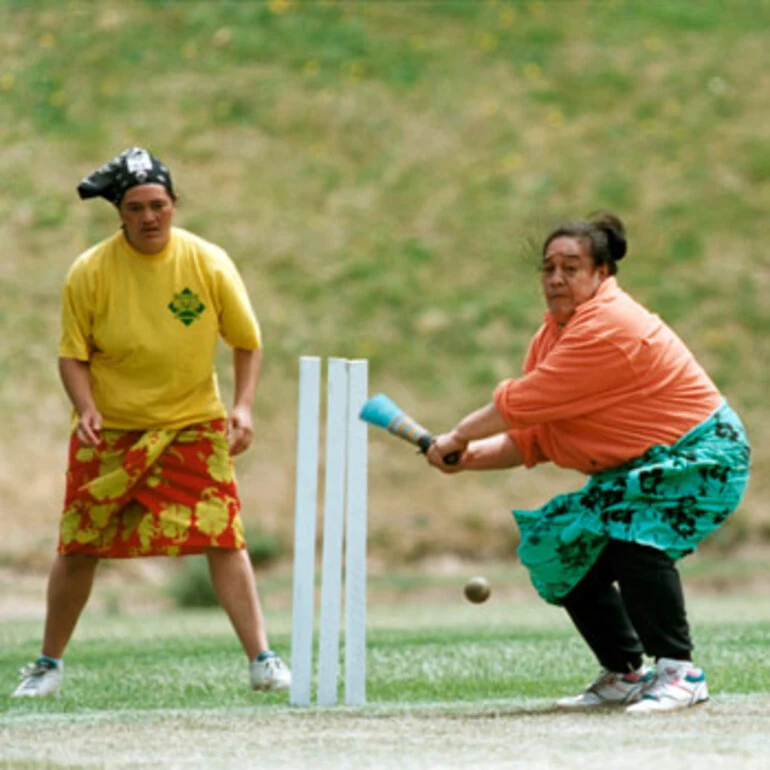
{"points": [[644, 613]]}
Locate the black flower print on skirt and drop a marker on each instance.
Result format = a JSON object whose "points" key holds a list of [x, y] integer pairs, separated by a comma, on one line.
{"points": [[671, 498]]}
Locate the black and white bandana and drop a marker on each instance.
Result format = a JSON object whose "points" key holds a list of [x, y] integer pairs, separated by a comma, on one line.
{"points": [[129, 169]]}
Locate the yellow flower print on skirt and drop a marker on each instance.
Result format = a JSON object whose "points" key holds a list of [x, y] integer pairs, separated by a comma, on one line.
{"points": [[151, 493]]}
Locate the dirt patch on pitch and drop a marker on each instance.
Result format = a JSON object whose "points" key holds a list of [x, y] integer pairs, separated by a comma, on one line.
{"points": [[729, 731]]}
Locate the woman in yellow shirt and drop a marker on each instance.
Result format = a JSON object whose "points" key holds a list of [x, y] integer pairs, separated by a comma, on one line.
{"points": [[610, 390], [150, 470]]}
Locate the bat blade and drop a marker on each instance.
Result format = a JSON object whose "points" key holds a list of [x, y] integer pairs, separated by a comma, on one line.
{"points": [[379, 410], [382, 412]]}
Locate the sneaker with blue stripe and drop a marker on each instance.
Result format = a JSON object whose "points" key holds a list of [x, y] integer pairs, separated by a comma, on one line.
{"points": [[43, 677], [268, 672], [610, 688], [678, 685]]}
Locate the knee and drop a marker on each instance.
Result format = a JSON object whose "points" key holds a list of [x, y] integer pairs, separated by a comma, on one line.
{"points": [[227, 557], [636, 552], [633, 559], [76, 563]]}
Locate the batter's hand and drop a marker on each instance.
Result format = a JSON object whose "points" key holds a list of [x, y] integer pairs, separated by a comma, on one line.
{"points": [[444, 445], [88, 427], [240, 430]]}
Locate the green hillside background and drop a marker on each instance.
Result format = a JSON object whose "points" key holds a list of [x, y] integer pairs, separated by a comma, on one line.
{"points": [[383, 174]]}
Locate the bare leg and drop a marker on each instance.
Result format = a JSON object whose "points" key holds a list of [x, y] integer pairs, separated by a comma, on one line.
{"points": [[233, 580], [69, 586]]}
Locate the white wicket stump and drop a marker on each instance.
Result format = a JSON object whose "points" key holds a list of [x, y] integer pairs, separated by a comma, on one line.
{"points": [[344, 525], [305, 502]]}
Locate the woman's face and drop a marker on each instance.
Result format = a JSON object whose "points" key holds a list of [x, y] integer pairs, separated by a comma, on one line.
{"points": [[146, 212], [569, 276]]}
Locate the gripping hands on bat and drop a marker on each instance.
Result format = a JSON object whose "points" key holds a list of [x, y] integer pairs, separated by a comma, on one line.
{"points": [[382, 412]]}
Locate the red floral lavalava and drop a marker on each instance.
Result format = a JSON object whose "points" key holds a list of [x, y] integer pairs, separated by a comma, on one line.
{"points": [[151, 493]]}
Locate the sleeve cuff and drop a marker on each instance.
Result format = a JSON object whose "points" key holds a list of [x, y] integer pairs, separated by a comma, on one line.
{"points": [[529, 446]]}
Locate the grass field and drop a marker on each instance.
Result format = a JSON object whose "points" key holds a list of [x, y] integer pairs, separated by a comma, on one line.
{"points": [[380, 171], [449, 685]]}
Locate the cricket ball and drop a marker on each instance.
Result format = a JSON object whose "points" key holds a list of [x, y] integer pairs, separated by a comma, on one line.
{"points": [[477, 590]]}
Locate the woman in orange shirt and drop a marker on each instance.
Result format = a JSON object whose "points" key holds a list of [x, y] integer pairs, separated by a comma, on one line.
{"points": [[610, 390]]}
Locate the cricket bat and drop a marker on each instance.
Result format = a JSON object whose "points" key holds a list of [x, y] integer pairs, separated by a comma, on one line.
{"points": [[382, 412]]}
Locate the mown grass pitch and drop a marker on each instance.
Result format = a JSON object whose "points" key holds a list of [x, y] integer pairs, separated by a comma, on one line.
{"points": [[450, 684]]}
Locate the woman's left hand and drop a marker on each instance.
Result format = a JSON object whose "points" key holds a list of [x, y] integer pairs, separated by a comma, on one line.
{"points": [[240, 430]]}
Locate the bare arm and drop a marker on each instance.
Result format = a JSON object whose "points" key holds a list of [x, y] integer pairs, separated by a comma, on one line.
{"points": [[247, 365], [76, 378], [493, 453], [481, 424]]}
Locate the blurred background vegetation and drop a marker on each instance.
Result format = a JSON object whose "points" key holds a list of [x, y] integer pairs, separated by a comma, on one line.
{"points": [[383, 174]]}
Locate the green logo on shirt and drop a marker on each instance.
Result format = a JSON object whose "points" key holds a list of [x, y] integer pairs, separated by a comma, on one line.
{"points": [[186, 306]]}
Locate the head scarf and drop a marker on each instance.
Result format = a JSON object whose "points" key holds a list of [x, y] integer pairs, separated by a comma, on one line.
{"points": [[129, 169]]}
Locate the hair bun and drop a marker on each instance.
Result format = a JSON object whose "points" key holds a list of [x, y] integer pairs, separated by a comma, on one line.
{"points": [[613, 228]]}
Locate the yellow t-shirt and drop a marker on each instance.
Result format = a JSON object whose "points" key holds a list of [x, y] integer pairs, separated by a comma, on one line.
{"points": [[148, 325]]}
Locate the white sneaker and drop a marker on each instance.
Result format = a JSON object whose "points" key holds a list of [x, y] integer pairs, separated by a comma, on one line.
{"points": [[269, 674], [678, 685], [610, 689], [39, 678]]}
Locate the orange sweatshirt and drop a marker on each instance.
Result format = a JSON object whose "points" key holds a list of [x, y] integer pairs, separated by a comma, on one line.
{"points": [[611, 383]]}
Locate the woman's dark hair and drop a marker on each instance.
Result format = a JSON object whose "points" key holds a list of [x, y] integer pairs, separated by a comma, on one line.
{"points": [[604, 234]]}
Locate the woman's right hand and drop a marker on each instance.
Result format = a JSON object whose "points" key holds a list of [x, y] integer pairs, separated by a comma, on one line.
{"points": [[443, 446], [88, 427]]}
